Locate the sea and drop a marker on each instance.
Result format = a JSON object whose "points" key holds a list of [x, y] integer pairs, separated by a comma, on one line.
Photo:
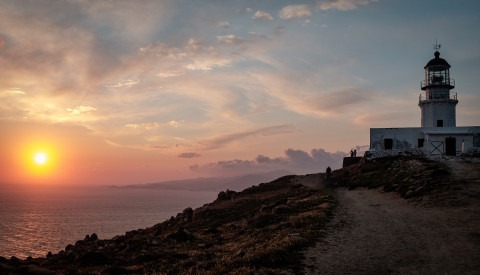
{"points": [[35, 220]]}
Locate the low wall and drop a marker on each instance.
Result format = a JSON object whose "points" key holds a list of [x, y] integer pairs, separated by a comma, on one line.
{"points": [[347, 161]]}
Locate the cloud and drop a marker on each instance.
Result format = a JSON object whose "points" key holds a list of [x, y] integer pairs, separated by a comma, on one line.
{"points": [[124, 83], [79, 110], [297, 161], [295, 11], [188, 155], [171, 74], [338, 101], [173, 123], [230, 39], [145, 125], [224, 24], [262, 15], [220, 141], [152, 125], [343, 5], [14, 91]]}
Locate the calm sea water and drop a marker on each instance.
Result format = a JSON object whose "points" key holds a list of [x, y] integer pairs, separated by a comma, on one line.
{"points": [[36, 220]]}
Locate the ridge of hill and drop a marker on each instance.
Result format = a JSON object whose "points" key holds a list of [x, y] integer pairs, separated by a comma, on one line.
{"points": [[265, 228]]}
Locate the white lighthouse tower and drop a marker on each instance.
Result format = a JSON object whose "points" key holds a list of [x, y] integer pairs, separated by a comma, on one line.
{"points": [[438, 134], [438, 102]]}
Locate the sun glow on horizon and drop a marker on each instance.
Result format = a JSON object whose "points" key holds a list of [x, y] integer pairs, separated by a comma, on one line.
{"points": [[40, 161], [41, 158]]}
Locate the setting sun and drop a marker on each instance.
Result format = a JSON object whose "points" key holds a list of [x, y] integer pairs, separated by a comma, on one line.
{"points": [[41, 158]]}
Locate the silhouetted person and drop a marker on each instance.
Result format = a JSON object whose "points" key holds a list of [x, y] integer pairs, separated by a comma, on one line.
{"points": [[355, 152], [351, 153], [329, 171]]}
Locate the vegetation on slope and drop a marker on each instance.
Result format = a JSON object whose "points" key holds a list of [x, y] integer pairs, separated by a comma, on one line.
{"points": [[412, 177], [261, 229]]}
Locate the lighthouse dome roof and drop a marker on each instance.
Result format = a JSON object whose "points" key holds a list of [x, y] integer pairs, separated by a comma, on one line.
{"points": [[437, 61]]}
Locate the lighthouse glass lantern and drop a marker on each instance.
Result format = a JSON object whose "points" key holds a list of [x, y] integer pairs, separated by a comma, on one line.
{"points": [[438, 103]]}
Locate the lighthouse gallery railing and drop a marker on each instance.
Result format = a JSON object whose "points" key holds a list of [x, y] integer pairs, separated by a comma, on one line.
{"points": [[433, 96]]}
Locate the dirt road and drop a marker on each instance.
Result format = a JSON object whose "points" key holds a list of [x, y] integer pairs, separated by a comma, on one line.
{"points": [[377, 233]]}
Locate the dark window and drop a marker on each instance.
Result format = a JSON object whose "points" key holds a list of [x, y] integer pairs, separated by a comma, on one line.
{"points": [[439, 123], [420, 142], [388, 143]]}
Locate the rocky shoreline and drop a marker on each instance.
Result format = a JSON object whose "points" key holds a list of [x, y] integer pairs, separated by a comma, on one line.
{"points": [[261, 229]]}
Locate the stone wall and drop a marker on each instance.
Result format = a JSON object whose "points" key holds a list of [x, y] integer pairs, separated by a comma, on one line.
{"points": [[347, 161]]}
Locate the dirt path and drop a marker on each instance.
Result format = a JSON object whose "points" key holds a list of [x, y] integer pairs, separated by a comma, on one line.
{"points": [[378, 233]]}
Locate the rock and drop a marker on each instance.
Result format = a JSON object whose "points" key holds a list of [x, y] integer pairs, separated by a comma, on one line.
{"points": [[419, 189], [230, 194], [212, 230], [222, 196], [94, 237], [182, 235], [69, 248], [226, 195], [266, 209], [281, 209], [3, 260], [240, 254], [49, 254], [409, 194], [93, 259], [14, 261], [188, 214], [263, 220], [37, 270]]}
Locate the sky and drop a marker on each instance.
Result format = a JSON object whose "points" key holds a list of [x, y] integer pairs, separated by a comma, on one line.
{"points": [[125, 92]]}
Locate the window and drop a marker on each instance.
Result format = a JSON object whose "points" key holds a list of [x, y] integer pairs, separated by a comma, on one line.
{"points": [[420, 142], [440, 123], [388, 143]]}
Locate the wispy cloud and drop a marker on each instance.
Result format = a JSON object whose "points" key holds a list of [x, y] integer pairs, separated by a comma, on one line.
{"points": [[188, 155], [338, 101], [220, 141], [295, 11], [262, 15], [224, 24], [230, 39], [343, 5], [79, 110], [145, 125]]}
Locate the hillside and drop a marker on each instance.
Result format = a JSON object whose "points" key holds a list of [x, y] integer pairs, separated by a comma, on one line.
{"points": [[408, 215], [261, 228], [393, 215]]}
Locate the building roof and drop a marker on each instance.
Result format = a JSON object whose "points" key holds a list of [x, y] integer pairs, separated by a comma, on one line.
{"points": [[437, 61]]}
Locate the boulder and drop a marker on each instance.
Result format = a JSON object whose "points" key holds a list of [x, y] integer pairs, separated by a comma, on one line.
{"points": [[93, 258], [281, 209], [182, 235]]}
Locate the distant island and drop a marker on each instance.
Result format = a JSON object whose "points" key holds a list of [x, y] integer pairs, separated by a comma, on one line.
{"points": [[236, 183]]}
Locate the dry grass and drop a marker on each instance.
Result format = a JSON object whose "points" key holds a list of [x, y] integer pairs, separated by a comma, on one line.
{"points": [[260, 230]]}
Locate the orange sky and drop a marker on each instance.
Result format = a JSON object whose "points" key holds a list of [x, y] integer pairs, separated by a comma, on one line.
{"points": [[123, 93]]}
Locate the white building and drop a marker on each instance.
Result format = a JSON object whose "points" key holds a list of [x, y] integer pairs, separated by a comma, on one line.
{"points": [[438, 134]]}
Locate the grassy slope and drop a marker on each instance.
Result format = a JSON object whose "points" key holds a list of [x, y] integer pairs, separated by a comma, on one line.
{"points": [[261, 229]]}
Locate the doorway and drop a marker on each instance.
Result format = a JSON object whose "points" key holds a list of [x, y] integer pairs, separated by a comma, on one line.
{"points": [[450, 146]]}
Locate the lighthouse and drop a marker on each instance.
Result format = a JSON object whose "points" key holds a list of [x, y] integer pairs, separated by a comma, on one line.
{"points": [[438, 134], [438, 102]]}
